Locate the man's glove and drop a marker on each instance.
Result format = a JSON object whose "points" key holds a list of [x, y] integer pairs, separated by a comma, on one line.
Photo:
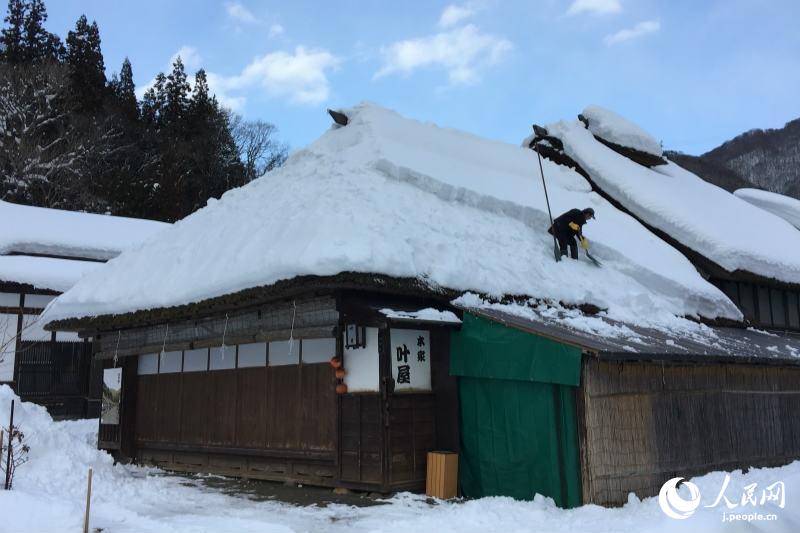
{"points": [[574, 226], [584, 243]]}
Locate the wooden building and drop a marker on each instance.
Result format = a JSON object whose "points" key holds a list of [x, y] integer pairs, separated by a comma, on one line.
{"points": [[249, 389], [44, 252], [330, 346]]}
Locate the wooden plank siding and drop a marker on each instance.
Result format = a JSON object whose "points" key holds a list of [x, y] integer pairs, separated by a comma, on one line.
{"points": [[270, 422], [646, 422]]}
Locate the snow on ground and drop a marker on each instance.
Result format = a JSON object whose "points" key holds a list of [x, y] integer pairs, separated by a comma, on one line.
{"points": [[49, 496], [613, 128], [699, 215], [398, 197], [786, 207], [38, 230]]}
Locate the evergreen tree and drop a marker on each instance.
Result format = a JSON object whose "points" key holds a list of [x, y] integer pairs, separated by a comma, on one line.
{"points": [[176, 93], [125, 91], [39, 44], [86, 67], [153, 102], [11, 39]]}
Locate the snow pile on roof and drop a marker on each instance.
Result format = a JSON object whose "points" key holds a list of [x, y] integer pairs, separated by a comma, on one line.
{"points": [[44, 272], [786, 207], [701, 216], [39, 230], [402, 198], [615, 129], [50, 494], [429, 314]]}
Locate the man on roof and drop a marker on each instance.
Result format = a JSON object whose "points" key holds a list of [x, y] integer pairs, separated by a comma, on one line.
{"points": [[569, 226]]}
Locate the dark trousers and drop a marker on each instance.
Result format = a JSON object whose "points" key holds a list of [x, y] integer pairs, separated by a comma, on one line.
{"points": [[566, 239]]}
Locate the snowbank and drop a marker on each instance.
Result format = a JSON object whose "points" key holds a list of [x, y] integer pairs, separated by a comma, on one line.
{"points": [[615, 129], [699, 215], [786, 207], [38, 230], [398, 197], [49, 496]]}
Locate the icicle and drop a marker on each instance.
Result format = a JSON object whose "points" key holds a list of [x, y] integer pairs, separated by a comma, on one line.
{"points": [[291, 331], [224, 330]]}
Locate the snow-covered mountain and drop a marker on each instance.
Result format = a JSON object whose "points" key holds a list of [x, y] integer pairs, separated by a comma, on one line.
{"points": [[766, 159]]}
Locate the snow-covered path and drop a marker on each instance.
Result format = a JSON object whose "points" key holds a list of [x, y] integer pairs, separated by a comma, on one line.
{"points": [[50, 491]]}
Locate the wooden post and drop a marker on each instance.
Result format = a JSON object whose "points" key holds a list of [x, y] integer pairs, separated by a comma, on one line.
{"points": [[88, 503], [9, 465]]}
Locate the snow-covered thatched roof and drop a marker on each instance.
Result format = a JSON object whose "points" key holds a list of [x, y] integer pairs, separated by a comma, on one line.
{"points": [[393, 196], [704, 218], [52, 248], [786, 207]]}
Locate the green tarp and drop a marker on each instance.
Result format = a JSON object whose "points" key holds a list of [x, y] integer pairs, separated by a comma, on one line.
{"points": [[517, 411]]}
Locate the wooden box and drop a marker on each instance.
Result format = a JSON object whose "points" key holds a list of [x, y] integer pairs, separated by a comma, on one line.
{"points": [[442, 475]]}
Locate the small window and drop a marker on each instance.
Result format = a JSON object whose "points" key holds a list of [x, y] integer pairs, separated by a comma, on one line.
{"points": [[38, 301], [170, 362], [252, 355], [9, 299], [318, 350], [764, 312], [195, 360], [747, 301], [222, 357], [67, 336], [778, 309], [284, 352], [794, 310], [8, 331], [148, 364]]}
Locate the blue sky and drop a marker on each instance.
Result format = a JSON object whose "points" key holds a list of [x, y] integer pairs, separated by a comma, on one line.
{"points": [[693, 73]]}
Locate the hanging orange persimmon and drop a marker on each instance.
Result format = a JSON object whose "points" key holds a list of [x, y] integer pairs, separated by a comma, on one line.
{"points": [[340, 373], [341, 388], [336, 362]]}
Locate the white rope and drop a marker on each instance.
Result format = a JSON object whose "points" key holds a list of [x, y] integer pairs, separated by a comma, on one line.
{"points": [[291, 331], [116, 350], [224, 330], [164, 344]]}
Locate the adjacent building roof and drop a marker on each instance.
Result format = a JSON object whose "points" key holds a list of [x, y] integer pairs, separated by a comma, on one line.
{"points": [[616, 340], [390, 196], [786, 207], [707, 220], [52, 248]]}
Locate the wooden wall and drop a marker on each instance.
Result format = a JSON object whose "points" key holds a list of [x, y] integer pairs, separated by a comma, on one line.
{"points": [[260, 422], [644, 423]]}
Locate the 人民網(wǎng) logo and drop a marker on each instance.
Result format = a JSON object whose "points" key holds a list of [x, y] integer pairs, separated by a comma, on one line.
{"points": [[673, 504]]}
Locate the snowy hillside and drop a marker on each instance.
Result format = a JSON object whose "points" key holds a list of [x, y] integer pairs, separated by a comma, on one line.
{"points": [[783, 206], [701, 216], [389, 195]]}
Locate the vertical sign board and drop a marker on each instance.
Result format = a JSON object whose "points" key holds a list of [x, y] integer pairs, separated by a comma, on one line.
{"points": [[411, 359], [112, 394]]}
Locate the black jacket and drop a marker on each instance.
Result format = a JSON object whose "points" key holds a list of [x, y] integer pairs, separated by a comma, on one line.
{"points": [[561, 224]]}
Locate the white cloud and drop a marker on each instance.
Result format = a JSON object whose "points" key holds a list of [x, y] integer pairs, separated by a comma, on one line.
{"points": [[301, 77], [462, 52], [192, 61], [454, 13], [595, 7], [275, 30], [240, 13], [643, 28]]}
